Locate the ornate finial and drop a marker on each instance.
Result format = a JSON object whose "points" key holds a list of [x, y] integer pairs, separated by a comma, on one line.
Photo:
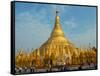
{"points": [[57, 12]]}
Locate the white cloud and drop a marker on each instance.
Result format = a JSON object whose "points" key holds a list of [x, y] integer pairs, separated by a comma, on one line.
{"points": [[80, 38], [62, 9], [31, 30], [70, 24], [83, 39]]}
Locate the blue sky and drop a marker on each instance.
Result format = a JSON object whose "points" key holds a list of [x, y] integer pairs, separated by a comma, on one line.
{"points": [[34, 23]]}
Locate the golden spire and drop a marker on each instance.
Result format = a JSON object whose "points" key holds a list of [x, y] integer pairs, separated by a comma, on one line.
{"points": [[57, 31]]}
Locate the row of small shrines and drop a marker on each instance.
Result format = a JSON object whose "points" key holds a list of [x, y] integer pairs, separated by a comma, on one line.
{"points": [[33, 59]]}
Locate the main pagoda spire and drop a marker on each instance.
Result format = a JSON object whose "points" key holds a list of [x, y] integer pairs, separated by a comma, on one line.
{"points": [[57, 30], [57, 44]]}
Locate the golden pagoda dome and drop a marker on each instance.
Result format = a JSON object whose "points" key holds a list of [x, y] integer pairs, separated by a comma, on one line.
{"points": [[57, 44], [57, 35]]}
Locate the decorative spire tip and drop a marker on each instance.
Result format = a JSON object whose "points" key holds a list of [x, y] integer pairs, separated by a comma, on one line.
{"points": [[57, 12]]}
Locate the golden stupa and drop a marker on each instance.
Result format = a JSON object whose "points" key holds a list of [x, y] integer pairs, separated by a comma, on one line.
{"points": [[57, 46]]}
